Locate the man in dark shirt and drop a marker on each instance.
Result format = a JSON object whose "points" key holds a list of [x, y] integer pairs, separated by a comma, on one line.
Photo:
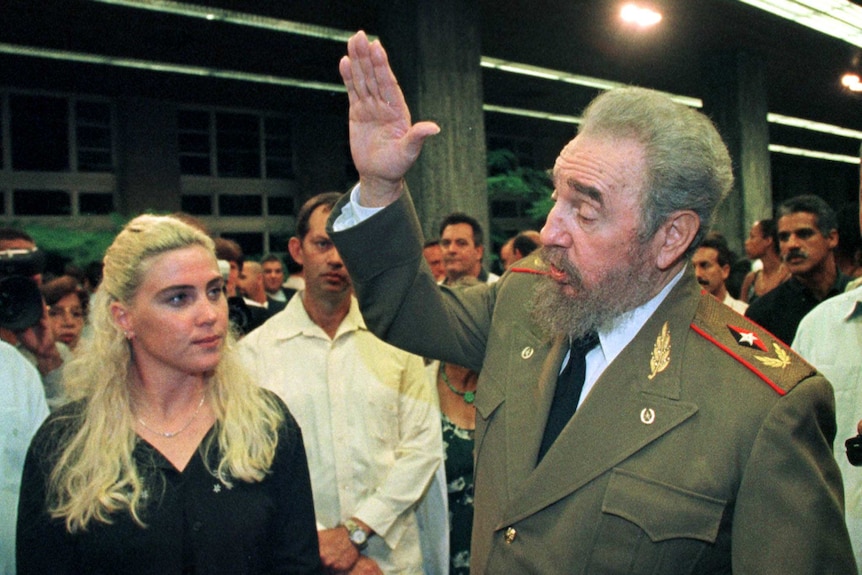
{"points": [[807, 234]]}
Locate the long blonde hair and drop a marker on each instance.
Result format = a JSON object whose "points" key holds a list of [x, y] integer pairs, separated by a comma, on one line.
{"points": [[95, 475]]}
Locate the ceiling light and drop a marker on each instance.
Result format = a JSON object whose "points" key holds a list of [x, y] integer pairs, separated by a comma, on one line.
{"points": [[642, 17], [852, 82]]}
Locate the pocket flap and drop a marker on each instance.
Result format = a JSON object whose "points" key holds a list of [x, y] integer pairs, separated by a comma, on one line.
{"points": [[663, 511]]}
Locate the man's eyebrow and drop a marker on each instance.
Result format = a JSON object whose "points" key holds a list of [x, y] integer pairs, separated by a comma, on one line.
{"points": [[588, 191]]}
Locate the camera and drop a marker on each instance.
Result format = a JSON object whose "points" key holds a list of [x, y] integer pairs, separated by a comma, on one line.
{"points": [[854, 450], [21, 303]]}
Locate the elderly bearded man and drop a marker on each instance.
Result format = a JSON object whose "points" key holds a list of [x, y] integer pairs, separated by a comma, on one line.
{"points": [[701, 444]]}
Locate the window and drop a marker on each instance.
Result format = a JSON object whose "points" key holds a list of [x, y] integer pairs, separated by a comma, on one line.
{"points": [[40, 133], [93, 137], [239, 146]]}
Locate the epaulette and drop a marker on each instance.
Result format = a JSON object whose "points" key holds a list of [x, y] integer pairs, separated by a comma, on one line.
{"points": [[749, 344], [532, 264]]}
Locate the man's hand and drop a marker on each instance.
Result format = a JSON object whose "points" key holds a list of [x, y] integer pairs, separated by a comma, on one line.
{"points": [[383, 142], [337, 553], [365, 566]]}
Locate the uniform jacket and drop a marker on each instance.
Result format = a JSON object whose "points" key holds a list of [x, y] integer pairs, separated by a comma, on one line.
{"points": [[704, 447]]}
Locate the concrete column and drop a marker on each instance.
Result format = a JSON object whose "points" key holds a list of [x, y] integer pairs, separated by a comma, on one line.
{"points": [[735, 98], [434, 48]]}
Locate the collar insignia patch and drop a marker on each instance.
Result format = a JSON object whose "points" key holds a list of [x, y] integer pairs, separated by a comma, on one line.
{"points": [[660, 352], [746, 338]]}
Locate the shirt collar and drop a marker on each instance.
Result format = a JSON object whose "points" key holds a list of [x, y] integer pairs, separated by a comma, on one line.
{"points": [[294, 321], [629, 324]]}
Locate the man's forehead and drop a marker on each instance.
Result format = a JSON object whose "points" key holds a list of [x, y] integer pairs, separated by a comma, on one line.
{"points": [[705, 253], [797, 221], [460, 229]]}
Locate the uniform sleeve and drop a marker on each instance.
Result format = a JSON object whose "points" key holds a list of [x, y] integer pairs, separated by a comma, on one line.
{"points": [[789, 514], [418, 455], [296, 541], [400, 301]]}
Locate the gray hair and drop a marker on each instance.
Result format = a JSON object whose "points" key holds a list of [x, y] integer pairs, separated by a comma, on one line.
{"points": [[688, 165]]}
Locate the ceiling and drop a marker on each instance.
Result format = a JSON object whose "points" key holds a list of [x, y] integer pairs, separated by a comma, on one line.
{"points": [[803, 68]]}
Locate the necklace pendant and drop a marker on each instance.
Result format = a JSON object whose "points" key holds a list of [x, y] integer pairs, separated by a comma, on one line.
{"points": [[469, 397]]}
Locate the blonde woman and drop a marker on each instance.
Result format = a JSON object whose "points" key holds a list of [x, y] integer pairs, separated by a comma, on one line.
{"points": [[168, 458]]}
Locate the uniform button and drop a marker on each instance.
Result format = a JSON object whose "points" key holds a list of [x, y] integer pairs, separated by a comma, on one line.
{"points": [[196, 526], [527, 352], [511, 533]]}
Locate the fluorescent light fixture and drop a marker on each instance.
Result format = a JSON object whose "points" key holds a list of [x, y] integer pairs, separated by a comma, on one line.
{"points": [[532, 114], [639, 16], [814, 126], [837, 18], [813, 154], [559, 75], [235, 17], [82, 57]]}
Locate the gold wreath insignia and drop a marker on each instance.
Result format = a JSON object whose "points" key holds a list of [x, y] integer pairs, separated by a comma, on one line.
{"points": [[660, 352], [781, 361]]}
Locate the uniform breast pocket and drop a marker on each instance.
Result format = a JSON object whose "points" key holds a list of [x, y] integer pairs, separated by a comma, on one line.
{"points": [[651, 527]]}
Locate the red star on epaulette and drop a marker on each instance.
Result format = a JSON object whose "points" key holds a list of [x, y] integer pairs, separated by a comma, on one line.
{"points": [[746, 337]]}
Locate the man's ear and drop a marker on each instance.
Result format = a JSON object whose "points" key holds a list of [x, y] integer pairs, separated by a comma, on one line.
{"points": [[832, 239], [675, 236], [294, 246]]}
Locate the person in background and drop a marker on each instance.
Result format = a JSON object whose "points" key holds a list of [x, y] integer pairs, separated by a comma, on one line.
{"points": [[711, 261], [24, 408], [227, 250], [462, 242], [295, 279], [830, 337], [433, 254], [664, 445], [168, 457], [67, 309], [365, 408], [518, 247], [36, 342], [762, 244], [273, 278], [807, 236]]}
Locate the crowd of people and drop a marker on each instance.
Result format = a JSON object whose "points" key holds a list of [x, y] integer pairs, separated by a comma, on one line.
{"points": [[613, 398]]}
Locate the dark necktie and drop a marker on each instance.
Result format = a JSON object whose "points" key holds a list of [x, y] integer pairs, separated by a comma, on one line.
{"points": [[570, 382]]}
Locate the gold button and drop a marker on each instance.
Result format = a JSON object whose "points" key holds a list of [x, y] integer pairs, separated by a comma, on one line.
{"points": [[511, 534], [527, 352]]}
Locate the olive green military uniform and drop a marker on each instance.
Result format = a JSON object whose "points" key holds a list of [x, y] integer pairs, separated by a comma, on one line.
{"points": [[704, 447]]}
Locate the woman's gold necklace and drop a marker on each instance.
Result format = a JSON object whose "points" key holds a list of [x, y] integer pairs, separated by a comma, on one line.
{"points": [[468, 396], [171, 434]]}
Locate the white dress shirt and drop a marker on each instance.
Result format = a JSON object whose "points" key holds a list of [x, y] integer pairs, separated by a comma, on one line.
{"points": [[370, 421], [21, 413]]}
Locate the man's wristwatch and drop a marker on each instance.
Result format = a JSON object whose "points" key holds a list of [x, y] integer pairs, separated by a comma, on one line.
{"points": [[357, 536]]}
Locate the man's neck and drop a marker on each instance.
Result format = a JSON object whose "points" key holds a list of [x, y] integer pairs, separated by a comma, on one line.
{"points": [[325, 312], [820, 280]]}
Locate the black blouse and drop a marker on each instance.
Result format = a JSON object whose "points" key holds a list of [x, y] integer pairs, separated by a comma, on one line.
{"points": [[194, 523]]}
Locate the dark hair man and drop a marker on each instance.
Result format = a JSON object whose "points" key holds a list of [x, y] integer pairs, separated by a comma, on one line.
{"points": [[462, 242], [711, 261], [698, 434], [807, 235], [365, 406]]}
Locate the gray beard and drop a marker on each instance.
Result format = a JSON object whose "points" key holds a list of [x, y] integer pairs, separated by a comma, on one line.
{"points": [[623, 288]]}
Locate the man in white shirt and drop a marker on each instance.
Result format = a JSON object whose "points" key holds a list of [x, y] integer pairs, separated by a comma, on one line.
{"points": [[23, 410], [369, 418]]}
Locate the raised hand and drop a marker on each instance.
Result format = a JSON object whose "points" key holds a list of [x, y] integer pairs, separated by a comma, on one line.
{"points": [[383, 141]]}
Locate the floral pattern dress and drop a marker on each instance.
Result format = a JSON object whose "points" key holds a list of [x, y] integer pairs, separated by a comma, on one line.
{"points": [[458, 447]]}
